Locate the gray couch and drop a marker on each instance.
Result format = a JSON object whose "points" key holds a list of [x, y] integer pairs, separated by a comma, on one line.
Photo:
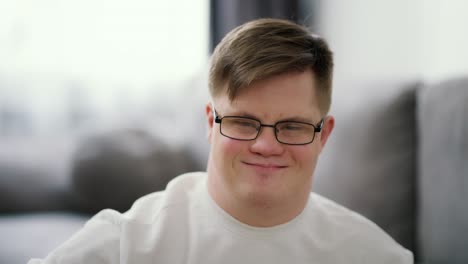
{"points": [[398, 155]]}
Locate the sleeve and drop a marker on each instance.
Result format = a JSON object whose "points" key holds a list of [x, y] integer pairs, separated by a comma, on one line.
{"points": [[97, 242]]}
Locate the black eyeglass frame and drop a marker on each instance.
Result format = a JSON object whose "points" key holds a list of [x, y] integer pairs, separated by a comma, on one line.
{"points": [[317, 128]]}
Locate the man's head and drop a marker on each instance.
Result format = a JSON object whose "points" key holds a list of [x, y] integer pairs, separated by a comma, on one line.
{"points": [[270, 83], [267, 47]]}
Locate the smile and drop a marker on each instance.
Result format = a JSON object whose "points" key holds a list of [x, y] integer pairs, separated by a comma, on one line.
{"points": [[266, 166]]}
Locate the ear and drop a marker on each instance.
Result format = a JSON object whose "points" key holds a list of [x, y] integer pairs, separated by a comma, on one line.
{"points": [[209, 119], [328, 125]]}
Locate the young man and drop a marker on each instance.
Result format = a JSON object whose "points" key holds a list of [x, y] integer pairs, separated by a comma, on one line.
{"points": [[270, 83]]}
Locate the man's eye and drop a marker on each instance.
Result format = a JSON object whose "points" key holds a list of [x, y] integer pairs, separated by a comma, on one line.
{"points": [[244, 123], [292, 127]]}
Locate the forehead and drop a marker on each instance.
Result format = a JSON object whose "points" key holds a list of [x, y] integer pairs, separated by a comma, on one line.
{"points": [[282, 96]]}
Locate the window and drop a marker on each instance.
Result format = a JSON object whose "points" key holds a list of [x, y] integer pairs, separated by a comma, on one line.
{"points": [[65, 62]]}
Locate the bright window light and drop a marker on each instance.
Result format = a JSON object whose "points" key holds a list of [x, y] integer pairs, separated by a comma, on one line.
{"points": [[133, 41], [96, 53]]}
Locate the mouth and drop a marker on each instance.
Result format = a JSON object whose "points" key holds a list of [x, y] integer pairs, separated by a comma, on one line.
{"points": [[265, 166]]}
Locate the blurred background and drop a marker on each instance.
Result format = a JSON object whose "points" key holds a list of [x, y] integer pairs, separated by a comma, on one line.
{"points": [[68, 65], [103, 101]]}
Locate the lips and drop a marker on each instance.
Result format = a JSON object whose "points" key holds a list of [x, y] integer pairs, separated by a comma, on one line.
{"points": [[265, 165]]}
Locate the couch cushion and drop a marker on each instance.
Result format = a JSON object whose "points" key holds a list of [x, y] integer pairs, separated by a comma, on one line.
{"points": [[369, 163], [34, 174], [443, 170], [112, 169]]}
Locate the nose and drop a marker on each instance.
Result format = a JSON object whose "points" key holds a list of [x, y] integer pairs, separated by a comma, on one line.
{"points": [[266, 144]]}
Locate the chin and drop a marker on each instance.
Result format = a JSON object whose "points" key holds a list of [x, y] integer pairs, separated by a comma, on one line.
{"points": [[262, 179], [262, 186]]}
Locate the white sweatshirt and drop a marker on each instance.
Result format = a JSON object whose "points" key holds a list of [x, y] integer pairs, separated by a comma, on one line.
{"points": [[184, 225]]}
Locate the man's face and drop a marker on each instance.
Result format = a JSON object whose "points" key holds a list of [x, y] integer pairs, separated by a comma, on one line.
{"points": [[264, 170]]}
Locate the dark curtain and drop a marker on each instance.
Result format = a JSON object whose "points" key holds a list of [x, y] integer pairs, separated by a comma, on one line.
{"points": [[227, 14]]}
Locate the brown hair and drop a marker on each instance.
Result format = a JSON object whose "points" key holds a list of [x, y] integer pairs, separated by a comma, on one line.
{"points": [[267, 47]]}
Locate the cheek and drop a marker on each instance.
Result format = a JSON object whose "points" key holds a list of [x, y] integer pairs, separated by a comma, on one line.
{"points": [[305, 157], [228, 148]]}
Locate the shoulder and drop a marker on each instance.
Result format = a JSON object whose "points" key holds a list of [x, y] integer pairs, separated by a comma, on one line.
{"points": [[100, 236], [103, 234], [325, 208], [354, 235], [177, 193]]}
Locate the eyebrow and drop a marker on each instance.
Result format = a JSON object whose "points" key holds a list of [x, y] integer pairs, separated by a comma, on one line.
{"points": [[298, 119], [291, 118]]}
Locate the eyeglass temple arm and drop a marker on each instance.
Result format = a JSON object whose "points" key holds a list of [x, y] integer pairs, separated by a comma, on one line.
{"points": [[216, 118], [319, 126]]}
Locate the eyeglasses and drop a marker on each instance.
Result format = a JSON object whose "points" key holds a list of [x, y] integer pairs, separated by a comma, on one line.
{"points": [[286, 132]]}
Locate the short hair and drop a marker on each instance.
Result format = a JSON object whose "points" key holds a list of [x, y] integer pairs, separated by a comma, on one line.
{"points": [[267, 47]]}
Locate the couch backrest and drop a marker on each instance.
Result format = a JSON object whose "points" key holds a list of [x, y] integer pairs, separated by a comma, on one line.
{"points": [[443, 172], [369, 163]]}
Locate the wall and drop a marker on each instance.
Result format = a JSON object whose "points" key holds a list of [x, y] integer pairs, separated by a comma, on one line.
{"points": [[395, 39]]}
